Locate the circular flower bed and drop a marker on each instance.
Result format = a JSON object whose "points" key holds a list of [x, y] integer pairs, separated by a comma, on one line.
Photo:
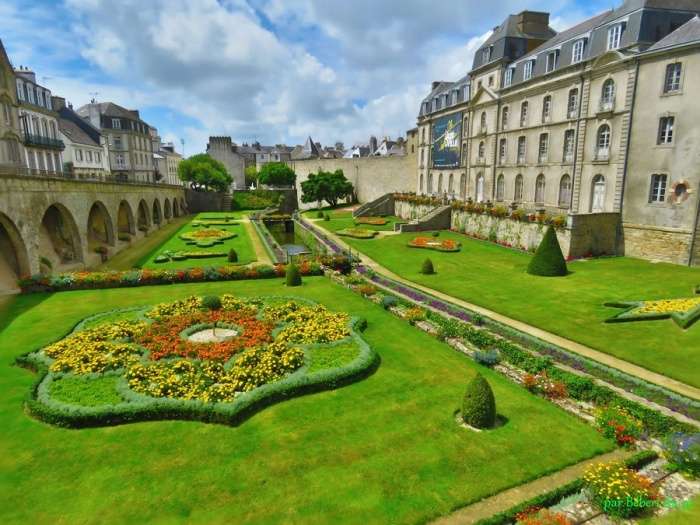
{"points": [[440, 245], [374, 221], [357, 233], [206, 238]]}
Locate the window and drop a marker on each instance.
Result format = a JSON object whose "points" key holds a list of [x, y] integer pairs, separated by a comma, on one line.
{"points": [[547, 108], [486, 55], [440, 183], [52, 125], [544, 147], [572, 104], [420, 184], [502, 150], [117, 142], [482, 151], [672, 81], [666, 130], [552, 61], [465, 126], [455, 94], [527, 70], [569, 145], [480, 188], [500, 187], [89, 156], [79, 155], [577, 53], [463, 186], [523, 114], [7, 116], [430, 183], [116, 123], [508, 79], [119, 161], [657, 191], [603, 143], [522, 150], [422, 158], [539, 189], [607, 96], [451, 184], [20, 90], [98, 157], [518, 192], [598, 194], [614, 36], [565, 191], [483, 122], [504, 117]]}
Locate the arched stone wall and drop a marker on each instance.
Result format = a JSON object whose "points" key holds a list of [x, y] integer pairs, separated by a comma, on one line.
{"points": [[59, 236], [14, 260], [125, 218], [166, 210], [144, 215], [157, 213], [100, 227], [176, 208]]}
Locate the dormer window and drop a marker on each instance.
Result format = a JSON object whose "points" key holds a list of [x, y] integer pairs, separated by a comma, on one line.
{"points": [[527, 71], [552, 61], [116, 123], [20, 90], [508, 80], [455, 96], [615, 36], [486, 55], [577, 53]]}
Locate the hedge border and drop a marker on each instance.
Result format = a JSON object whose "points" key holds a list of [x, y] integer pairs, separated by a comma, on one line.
{"points": [[138, 407]]}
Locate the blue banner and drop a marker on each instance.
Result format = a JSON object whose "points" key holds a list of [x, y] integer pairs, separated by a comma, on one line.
{"points": [[447, 135]]}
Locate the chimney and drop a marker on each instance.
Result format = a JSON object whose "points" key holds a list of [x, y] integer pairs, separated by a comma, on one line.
{"points": [[533, 22], [435, 84], [26, 74], [58, 103]]}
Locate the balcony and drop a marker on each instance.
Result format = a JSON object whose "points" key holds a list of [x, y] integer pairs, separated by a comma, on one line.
{"points": [[606, 106], [39, 141]]}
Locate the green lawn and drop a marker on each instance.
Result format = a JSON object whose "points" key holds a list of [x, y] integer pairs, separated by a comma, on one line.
{"points": [[383, 450], [241, 243], [494, 277], [342, 219]]}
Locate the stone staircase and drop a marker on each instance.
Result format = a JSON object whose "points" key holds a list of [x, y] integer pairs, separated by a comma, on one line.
{"points": [[383, 205], [227, 202], [438, 219]]}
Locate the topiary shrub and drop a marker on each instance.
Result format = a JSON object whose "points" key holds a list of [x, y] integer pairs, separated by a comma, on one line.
{"points": [[436, 234], [211, 302], [320, 214], [292, 275], [326, 217], [548, 260], [479, 405], [427, 268], [232, 256], [388, 301]]}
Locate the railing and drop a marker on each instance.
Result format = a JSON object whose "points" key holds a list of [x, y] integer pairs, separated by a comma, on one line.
{"points": [[41, 141], [106, 178]]}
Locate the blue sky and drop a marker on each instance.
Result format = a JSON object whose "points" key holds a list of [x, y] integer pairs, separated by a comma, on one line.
{"points": [[272, 70]]}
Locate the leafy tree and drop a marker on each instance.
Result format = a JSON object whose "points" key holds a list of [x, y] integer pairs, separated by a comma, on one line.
{"points": [[326, 186], [213, 304], [204, 173], [479, 404], [548, 260], [251, 175], [277, 174]]}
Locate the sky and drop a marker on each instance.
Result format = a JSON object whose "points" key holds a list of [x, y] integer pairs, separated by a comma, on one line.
{"points": [[275, 71]]}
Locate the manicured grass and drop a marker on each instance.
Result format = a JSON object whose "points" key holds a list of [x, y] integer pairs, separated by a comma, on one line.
{"points": [[383, 450], [241, 243], [494, 277], [86, 392], [326, 357], [343, 219]]}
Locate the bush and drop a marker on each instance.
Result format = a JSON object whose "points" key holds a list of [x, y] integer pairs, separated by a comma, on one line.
{"points": [[320, 214], [683, 453], [479, 405], [436, 234], [616, 423], [232, 256], [548, 260], [427, 268], [326, 217], [487, 357], [211, 302], [292, 275], [388, 301]]}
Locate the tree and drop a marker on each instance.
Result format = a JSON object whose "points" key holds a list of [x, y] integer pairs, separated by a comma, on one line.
{"points": [[213, 304], [479, 405], [204, 173], [251, 175], [548, 260], [326, 186], [277, 174]]}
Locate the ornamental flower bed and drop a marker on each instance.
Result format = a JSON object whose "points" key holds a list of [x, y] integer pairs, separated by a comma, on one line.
{"points": [[620, 491], [374, 221], [357, 233], [161, 367], [168, 256], [206, 238], [684, 311], [616, 423], [440, 245]]}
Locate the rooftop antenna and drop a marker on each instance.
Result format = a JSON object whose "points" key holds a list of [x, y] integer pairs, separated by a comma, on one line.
{"points": [[182, 141], [93, 96]]}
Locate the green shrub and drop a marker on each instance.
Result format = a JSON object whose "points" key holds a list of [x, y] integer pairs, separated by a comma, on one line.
{"points": [[487, 357], [292, 275], [436, 234], [548, 260], [320, 214], [388, 301], [427, 268], [232, 256], [683, 453], [479, 405], [211, 302], [326, 217]]}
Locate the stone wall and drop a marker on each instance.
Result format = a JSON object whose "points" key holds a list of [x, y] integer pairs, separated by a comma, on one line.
{"points": [[203, 201], [659, 244], [371, 176]]}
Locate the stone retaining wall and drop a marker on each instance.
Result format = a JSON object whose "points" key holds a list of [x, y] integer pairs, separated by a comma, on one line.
{"points": [[660, 244]]}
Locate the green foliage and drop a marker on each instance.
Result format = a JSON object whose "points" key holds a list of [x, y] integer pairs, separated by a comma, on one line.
{"points": [[436, 234], [326, 186], [548, 260], [292, 276], [251, 175], [683, 453], [320, 214], [204, 173], [427, 268], [487, 357], [277, 174], [388, 301], [333, 356], [86, 391], [326, 217], [479, 405], [211, 302], [255, 199], [232, 256]]}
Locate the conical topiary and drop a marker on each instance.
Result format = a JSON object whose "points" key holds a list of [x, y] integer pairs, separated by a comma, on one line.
{"points": [[293, 276], [427, 268], [548, 260], [232, 256], [479, 405]]}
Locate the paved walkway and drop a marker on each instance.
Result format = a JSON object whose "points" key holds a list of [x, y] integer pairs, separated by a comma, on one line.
{"points": [[260, 251], [511, 497], [606, 359]]}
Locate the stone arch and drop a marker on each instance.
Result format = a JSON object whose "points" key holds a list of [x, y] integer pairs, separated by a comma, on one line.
{"points": [[176, 208], [167, 212], [183, 207], [143, 219], [157, 213], [59, 237], [125, 219], [100, 228], [14, 260]]}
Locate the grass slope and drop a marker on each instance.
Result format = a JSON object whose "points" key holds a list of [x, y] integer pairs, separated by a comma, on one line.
{"points": [[342, 219], [494, 277], [384, 450]]}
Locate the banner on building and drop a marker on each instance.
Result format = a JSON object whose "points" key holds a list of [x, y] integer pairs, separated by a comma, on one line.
{"points": [[447, 133]]}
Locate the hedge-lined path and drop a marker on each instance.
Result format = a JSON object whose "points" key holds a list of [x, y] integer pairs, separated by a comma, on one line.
{"points": [[567, 344], [260, 251], [511, 497]]}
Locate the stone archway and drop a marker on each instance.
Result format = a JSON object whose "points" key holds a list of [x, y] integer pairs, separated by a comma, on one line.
{"points": [[183, 207], [157, 213], [59, 237], [144, 217], [166, 210], [125, 219], [176, 208], [100, 228], [14, 260]]}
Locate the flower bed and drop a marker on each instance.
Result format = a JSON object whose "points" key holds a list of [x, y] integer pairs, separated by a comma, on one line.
{"points": [[158, 372], [374, 221], [440, 245], [168, 256], [206, 238], [683, 311], [97, 280], [618, 490], [357, 233]]}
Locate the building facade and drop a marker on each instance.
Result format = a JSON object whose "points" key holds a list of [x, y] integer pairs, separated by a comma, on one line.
{"points": [[551, 122], [166, 159], [11, 149]]}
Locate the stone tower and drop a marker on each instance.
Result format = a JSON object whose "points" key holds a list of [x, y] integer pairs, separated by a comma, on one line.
{"points": [[222, 149]]}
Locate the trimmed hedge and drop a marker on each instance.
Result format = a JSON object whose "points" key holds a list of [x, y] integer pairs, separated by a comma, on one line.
{"points": [[548, 260], [479, 405], [427, 268]]}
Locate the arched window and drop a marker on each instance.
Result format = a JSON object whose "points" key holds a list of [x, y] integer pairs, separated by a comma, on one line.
{"points": [[451, 184], [482, 150], [440, 183], [483, 121], [420, 188], [565, 191], [463, 186], [480, 188], [572, 104], [603, 143], [547, 108], [539, 189], [607, 97], [522, 150], [430, 183], [518, 193], [523, 114], [504, 117], [500, 187], [598, 194], [502, 151]]}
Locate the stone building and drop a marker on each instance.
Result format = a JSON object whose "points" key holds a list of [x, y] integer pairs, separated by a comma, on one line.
{"points": [[128, 140], [166, 159], [11, 149], [39, 124], [548, 121]]}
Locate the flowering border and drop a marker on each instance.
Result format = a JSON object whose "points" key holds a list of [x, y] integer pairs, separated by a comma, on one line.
{"points": [[632, 312]]}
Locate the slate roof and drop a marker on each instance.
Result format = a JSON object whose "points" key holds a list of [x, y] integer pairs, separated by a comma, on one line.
{"points": [[74, 133], [308, 151], [580, 29], [687, 33], [509, 28]]}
